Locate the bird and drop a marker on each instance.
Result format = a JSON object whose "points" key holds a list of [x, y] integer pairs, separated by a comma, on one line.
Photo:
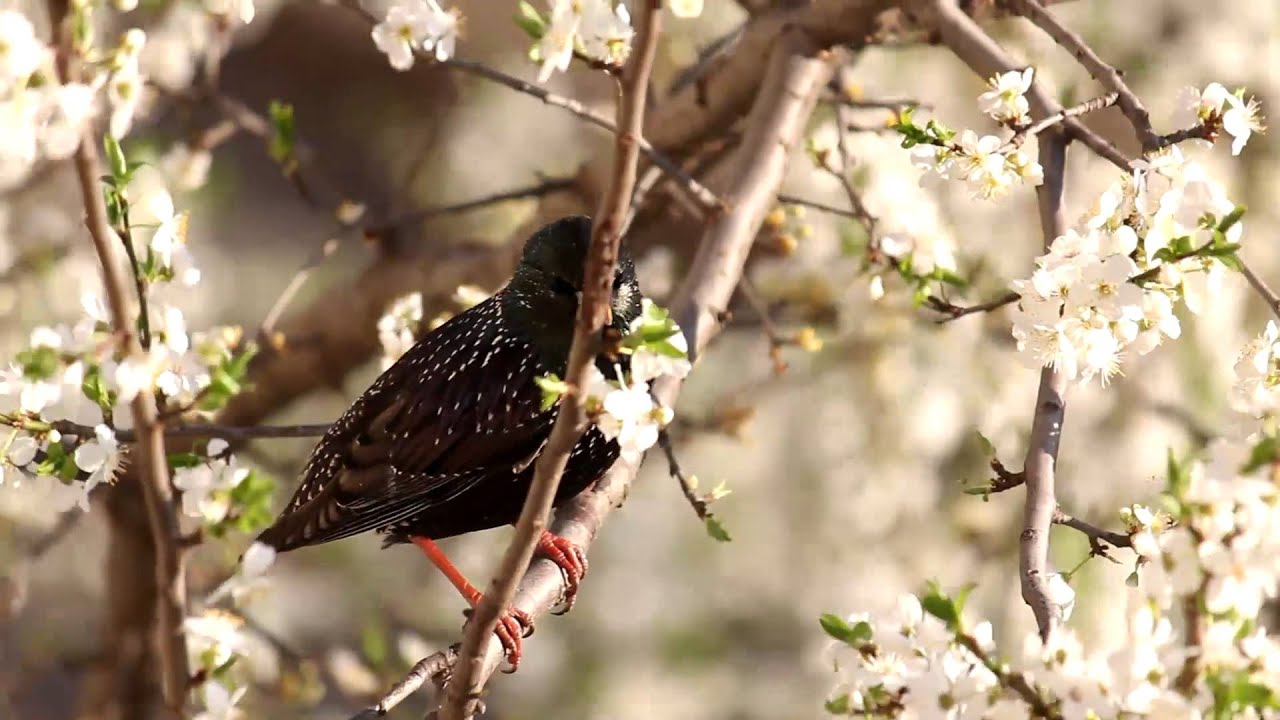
{"points": [[444, 442]]}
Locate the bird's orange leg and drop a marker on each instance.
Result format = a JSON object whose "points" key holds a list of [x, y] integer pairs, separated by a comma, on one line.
{"points": [[572, 561], [513, 624]]}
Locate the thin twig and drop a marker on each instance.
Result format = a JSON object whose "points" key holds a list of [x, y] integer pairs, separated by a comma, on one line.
{"points": [[1093, 532], [698, 503], [541, 189], [317, 258], [1014, 680], [816, 205], [593, 313], [1260, 285], [226, 432], [157, 492], [954, 312], [703, 197], [428, 668], [1083, 108], [1104, 73], [775, 337]]}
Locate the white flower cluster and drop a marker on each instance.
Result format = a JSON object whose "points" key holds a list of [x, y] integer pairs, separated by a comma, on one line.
{"points": [[1006, 101], [398, 327], [39, 117], [1216, 108], [1212, 558], [413, 25], [75, 372], [909, 665], [598, 29], [1257, 387], [623, 408], [1108, 286], [989, 165]]}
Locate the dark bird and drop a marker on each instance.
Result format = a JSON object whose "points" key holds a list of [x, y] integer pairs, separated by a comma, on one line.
{"points": [[444, 442]]}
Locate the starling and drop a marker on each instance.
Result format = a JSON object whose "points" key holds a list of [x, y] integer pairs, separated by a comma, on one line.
{"points": [[444, 442]]}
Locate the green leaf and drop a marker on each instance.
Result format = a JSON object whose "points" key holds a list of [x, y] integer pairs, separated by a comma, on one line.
{"points": [[280, 145], [1264, 453], [373, 644], [1232, 218], [717, 530], [840, 629], [938, 604], [988, 447], [184, 460], [39, 363], [95, 388], [115, 157], [530, 20], [949, 277], [1231, 261], [838, 706], [552, 388], [1177, 476]]}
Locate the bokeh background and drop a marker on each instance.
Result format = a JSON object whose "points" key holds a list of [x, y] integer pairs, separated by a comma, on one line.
{"points": [[847, 470]]}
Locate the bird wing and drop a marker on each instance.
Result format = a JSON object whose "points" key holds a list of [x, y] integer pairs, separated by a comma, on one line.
{"points": [[459, 407]]}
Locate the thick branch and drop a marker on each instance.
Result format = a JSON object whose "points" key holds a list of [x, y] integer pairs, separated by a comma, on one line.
{"points": [[593, 316]]}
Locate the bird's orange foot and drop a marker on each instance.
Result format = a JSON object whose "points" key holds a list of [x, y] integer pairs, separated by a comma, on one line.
{"points": [[513, 627], [572, 561]]}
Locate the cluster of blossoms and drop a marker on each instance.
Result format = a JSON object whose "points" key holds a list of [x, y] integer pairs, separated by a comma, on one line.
{"points": [[417, 25], [1210, 554], [622, 407], [402, 323], [39, 117], [990, 165], [65, 396], [1166, 233], [1214, 107]]}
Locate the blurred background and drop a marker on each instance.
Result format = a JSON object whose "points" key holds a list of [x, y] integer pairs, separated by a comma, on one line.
{"points": [[847, 470]]}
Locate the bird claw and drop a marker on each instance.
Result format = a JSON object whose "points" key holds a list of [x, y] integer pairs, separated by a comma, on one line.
{"points": [[572, 561], [513, 626]]}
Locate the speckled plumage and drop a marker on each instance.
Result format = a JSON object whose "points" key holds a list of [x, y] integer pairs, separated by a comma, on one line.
{"points": [[443, 442]]}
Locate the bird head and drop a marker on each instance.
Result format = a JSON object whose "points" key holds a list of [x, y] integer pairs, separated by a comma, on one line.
{"points": [[544, 293]]}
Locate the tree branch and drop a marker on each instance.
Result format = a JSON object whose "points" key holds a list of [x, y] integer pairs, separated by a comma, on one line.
{"points": [[593, 316], [157, 492], [978, 50], [1106, 74]]}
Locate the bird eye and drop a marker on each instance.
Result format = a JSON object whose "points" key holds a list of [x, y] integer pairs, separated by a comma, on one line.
{"points": [[564, 287]]}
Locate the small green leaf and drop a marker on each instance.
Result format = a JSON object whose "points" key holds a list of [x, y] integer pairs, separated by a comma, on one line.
{"points": [[373, 644], [530, 20], [39, 363], [115, 157], [95, 388], [840, 629], [838, 706], [988, 447], [1177, 477], [717, 530], [1232, 218], [1231, 261], [184, 460], [1132, 579], [283, 135], [938, 604], [552, 387], [1264, 453]]}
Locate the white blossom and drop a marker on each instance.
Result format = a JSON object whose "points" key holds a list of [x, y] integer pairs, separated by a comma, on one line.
{"points": [[1006, 101]]}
